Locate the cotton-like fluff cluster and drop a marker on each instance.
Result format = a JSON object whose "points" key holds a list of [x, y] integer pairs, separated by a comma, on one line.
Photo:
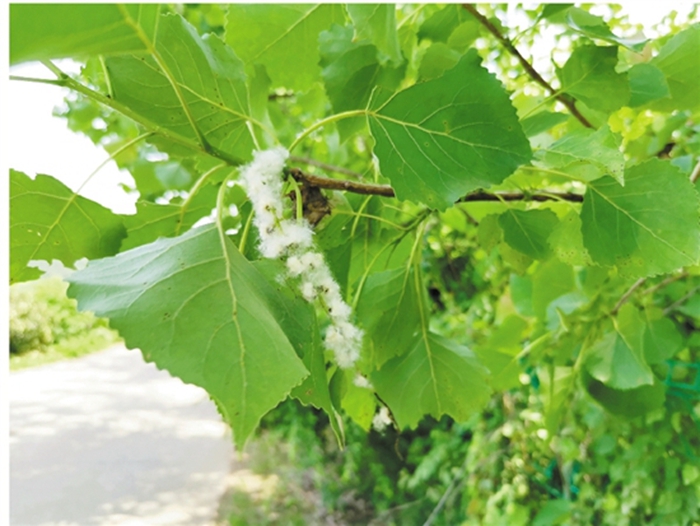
{"points": [[279, 237], [382, 419]]}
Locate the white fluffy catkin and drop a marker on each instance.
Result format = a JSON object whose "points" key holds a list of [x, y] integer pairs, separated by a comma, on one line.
{"points": [[280, 237]]}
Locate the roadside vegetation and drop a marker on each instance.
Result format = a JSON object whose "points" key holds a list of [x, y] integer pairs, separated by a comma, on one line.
{"points": [[45, 325]]}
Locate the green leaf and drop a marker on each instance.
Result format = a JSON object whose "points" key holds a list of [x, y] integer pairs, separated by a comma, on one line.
{"points": [[197, 308], [283, 38], [553, 512], [586, 154], [629, 402], [595, 27], [152, 221], [528, 230], [679, 60], [661, 340], [647, 227], [618, 362], [541, 122], [437, 59], [551, 280], [47, 31], [193, 86], [647, 84], [377, 23], [49, 221], [350, 73], [501, 350], [589, 75], [438, 140], [390, 313], [440, 25], [567, 242], [437, 377]]}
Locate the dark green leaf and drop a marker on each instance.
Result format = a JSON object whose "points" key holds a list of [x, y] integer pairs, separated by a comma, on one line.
{"points": [[528, 230], [541, 122], [437, 59], [46, 31], [49, 221], [630, 402], [197, 308], [441, 139], [589, 75], [390, 313], [440, 25], [282, 37], [196, 88], [647, 227], [437, 377]]}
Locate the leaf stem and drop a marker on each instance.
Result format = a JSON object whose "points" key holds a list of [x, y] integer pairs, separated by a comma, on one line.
{"points": [[626, 296], [323, 122], [193, 192], [566, 100], [325, 166], [246, 231]]}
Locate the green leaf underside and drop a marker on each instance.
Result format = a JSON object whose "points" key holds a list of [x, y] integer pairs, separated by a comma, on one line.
{"points": [[196, 307], [586, 154], [541, 122], [436, 377], [589, 73], [595, 27], [49, 221], [197, 91], [679, 60], [152, 221], [628, 402], [47, 31], [528, 230], [377, 23], [281, 35], [389, 312], [649, 226], [441, 139]]}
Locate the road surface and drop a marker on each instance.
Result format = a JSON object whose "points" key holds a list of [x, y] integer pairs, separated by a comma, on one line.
{"points": [[108, 440]]}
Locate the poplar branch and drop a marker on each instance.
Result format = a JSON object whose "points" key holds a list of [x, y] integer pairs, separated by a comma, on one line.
{"points": [[566, 100], [387, 191]]}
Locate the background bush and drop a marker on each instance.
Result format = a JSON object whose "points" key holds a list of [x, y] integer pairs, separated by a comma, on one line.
{"points": [[44, 320]]}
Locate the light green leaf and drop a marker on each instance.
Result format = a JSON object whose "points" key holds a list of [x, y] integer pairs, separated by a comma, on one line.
{"points": [[649, 226], [197, 308], [501, 350], [528, 230], [390, 313], [283, 38], [152, 221], [661, 338], [440, 25], [437, 377], [567, 242], [679, 60], [47, 31], [647, 84], [589, 75], [441, 139], [49, 221], [595, 27], [377, 23], [586, 154], [193, 86], [551, 280]]}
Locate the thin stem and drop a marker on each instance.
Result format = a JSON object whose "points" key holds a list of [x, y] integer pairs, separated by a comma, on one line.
{"points": [[626, 296], [564, 99], [193, 192], [246, 231], [297, 198], [324, 122], [53, 82], [325, 166], [666, 282], [682, 300], [696, 173]]}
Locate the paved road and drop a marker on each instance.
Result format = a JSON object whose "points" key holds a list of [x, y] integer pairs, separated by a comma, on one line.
{"points": [[109, 440]]}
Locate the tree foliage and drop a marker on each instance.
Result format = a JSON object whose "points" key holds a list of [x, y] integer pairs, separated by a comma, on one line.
{"points": [[484, 223]]}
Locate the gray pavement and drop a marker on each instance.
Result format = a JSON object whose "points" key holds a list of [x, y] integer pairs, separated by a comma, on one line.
{"points": [[109, 440]]}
